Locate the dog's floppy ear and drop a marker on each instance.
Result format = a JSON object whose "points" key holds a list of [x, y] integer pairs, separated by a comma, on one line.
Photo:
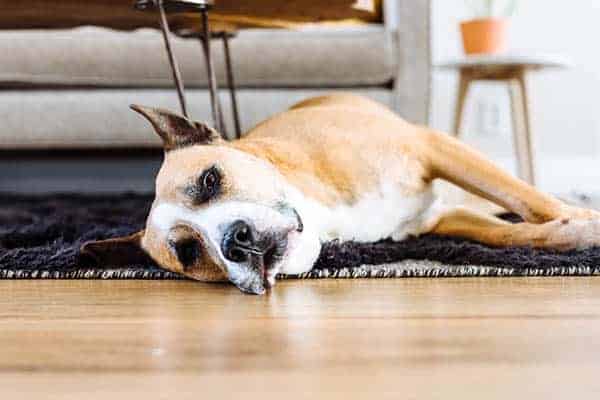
{"points": [[175, 130], [121, 251]]}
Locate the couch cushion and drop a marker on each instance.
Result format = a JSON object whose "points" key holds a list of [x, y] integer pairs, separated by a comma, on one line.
{"points": [[100, 57], [96, 118]]}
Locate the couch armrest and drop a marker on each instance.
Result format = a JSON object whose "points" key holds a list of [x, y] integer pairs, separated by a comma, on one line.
{"points": [[409, 22]]}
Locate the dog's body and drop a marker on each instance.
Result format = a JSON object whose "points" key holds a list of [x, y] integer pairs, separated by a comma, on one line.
{"points": [[332, 167]]}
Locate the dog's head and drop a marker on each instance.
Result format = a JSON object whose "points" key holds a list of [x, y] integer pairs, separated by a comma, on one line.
{"points": [[219, 213]]}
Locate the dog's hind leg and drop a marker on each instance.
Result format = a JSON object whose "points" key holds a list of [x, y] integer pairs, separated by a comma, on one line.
{"points": [[560, 234], [549, 222]]}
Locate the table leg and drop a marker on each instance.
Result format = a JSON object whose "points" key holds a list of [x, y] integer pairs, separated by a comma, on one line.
{"points": [[231, 84], [164, 25], [461, 99], [212, 80], [528, 133], [521, 128]]}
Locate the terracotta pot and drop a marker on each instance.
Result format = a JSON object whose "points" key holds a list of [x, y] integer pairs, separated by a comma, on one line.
{"points": [[484, 36]]}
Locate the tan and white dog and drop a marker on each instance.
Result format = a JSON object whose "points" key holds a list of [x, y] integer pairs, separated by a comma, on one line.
{"points": [[332, 167]]}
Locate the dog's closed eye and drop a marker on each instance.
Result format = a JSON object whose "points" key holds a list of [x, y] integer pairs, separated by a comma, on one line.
{"points": [[206, 187], [187, 251], [186, 246]]}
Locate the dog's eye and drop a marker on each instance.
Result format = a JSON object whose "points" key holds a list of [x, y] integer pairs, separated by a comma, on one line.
{"points": [[210, 180], [207, 186]]}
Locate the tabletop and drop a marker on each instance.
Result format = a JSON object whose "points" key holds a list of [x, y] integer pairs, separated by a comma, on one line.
{"points": [[530, 61]]}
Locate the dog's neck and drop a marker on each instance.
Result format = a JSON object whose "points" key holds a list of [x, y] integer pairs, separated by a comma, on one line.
{"points": [[312, 179]]}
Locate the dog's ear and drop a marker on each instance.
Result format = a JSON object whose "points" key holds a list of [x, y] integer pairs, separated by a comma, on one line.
{"points": [[121, 251], [175, 130]]}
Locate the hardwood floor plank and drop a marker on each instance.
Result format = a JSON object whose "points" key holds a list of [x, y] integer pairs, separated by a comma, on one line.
{"points": [[423, 338]]}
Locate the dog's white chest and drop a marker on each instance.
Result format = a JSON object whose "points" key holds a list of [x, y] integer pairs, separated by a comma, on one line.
{"points": [[387, 212]]}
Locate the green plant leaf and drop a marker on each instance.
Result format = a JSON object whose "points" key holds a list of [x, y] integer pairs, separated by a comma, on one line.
{"points": [[491, 8], [510, 8]]}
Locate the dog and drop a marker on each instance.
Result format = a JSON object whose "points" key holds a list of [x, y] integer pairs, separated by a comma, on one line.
{"points": [[332, 167]]}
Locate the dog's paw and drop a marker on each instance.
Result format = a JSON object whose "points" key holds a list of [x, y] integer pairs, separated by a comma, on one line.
{"points": [[575, 233]]}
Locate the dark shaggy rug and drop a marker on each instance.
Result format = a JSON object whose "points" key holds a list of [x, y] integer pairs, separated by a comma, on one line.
{"points": [[40, 238]]}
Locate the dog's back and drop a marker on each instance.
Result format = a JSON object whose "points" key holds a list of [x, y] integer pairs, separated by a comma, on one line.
{"points": [[345, 100], [341, 143]]}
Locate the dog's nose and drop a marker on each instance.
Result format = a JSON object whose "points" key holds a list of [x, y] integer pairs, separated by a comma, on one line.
{"points": [[239, 242]]}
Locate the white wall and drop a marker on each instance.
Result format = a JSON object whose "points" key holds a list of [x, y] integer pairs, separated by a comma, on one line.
{"points": [[565, 104]]}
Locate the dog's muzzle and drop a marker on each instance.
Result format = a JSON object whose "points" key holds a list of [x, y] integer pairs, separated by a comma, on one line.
{"points": [[250, 254]]}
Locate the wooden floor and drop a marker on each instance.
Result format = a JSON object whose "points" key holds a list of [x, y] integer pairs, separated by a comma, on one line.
{"points": [[404, 339]]}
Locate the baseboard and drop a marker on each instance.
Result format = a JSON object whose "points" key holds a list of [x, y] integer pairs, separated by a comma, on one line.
{"points": [[554, 175]]}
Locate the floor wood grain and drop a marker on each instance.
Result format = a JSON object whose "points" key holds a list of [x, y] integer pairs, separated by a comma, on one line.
{"points": [[407, 338]]}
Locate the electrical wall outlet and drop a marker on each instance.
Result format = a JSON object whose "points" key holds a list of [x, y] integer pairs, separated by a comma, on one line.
{"points": [[488, 117]]}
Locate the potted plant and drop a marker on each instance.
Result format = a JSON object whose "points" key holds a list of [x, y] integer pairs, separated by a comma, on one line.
{"points": [[486, 31]]}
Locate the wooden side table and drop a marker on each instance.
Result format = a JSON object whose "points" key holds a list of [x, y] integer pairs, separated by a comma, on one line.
{"points": [[511, 69]]}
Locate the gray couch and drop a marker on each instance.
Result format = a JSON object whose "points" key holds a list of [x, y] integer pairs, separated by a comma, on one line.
{"points": [[71, 89]]}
